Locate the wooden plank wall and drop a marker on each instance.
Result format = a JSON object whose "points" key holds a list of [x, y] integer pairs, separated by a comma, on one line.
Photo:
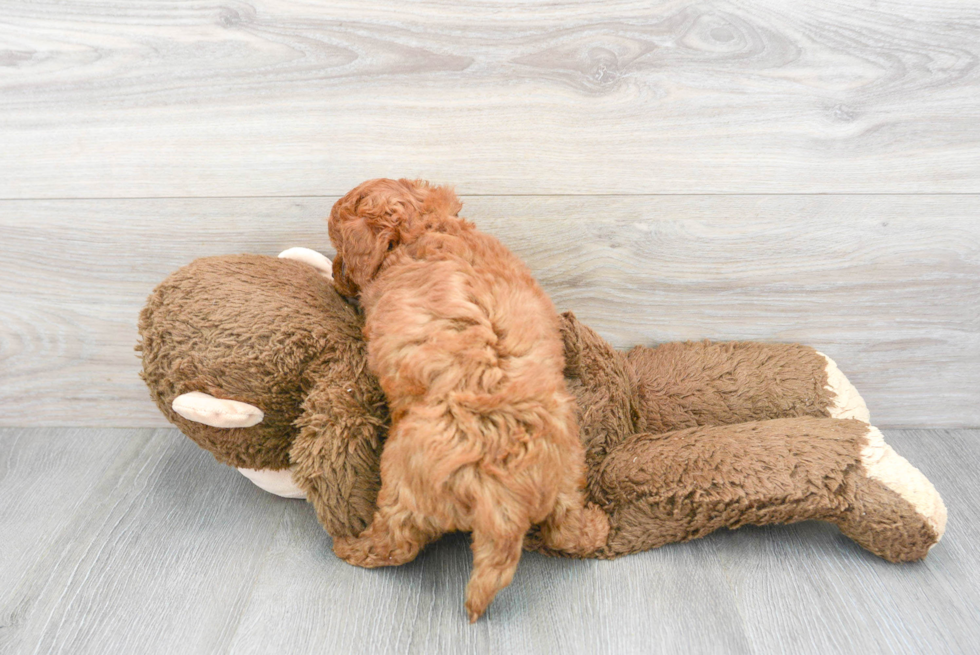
{"points": [[766, 170]]}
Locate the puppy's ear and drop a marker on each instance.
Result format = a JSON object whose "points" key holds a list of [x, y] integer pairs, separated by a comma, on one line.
{"points": [[440, 200], [367, 223], [389, 208]]}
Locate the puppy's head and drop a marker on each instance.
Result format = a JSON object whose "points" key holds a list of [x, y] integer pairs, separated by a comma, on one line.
{"points": [[374, 219]]}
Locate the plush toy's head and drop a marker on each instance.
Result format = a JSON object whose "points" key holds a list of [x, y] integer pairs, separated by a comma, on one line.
{"points": [[248, 328], [368, 223]]}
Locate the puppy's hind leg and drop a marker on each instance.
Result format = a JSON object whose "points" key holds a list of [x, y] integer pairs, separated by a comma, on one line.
{"points": [[497, 544], [394, 537], [398, 530], [573, 527]]}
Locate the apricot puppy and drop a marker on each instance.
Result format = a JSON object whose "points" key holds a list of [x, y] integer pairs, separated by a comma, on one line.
{"points": [[467, 349]]}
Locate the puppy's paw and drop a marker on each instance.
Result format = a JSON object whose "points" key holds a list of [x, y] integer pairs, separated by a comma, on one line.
{"points": [[595, 528], [354, 551], [343, 547], [370, 554], [592, 533]]}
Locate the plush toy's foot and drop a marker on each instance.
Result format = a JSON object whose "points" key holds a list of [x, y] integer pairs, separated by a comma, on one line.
{"points": [[847, 402], [896, 513], [311, 257], [275, 482]]}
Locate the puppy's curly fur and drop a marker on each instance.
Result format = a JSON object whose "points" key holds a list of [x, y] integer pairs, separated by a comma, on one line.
{"points": [[467, 348]]}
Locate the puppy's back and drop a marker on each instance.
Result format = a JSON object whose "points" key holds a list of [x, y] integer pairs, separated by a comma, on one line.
{"points": [[459, 312]]}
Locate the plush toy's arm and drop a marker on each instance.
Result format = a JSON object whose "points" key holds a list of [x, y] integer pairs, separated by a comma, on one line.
{"points": [[683, 385], [336, 456], [665, 488]]}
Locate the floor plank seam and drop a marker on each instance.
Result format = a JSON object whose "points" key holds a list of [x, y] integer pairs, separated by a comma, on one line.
{"points": [[736, 604], [247, 600]]}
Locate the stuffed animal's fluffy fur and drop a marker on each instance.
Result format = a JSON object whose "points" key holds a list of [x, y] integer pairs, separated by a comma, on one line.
{"points": [[467, 349]]}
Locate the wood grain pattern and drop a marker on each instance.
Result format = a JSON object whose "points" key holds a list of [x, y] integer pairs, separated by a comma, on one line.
{"points": [[159, 556], [888, 286], [42, 488], [283, 97], [145, 544], [654, 602]]}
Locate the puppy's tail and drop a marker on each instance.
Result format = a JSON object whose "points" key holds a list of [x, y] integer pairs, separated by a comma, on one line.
{"points": [[497, 543]]}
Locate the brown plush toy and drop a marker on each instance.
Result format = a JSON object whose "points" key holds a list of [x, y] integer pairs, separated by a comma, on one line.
{"points": [[259, 361]]}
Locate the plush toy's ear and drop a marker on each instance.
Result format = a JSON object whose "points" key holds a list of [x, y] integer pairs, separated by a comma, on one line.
{"points": [[223, 413], [217, 412], [311, 257]]}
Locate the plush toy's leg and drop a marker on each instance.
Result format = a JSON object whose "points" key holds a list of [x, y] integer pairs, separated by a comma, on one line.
{"points": [[659, 489], [683, 385]]}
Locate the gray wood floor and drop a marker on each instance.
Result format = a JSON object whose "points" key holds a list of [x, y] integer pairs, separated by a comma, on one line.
{"points": [[136, 541]]}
